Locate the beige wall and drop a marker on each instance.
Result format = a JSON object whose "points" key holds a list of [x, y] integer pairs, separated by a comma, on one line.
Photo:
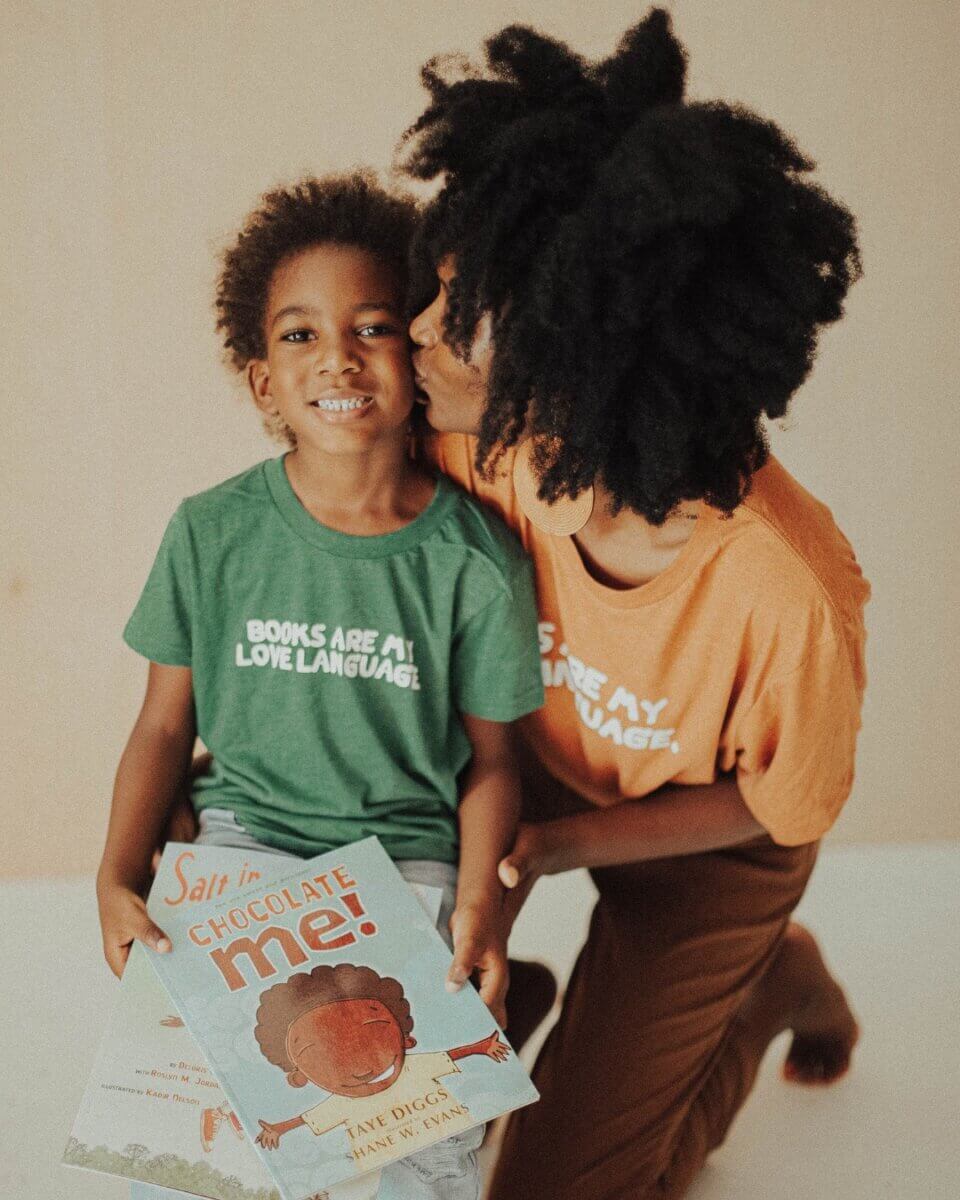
{"points": [[135, 137]]}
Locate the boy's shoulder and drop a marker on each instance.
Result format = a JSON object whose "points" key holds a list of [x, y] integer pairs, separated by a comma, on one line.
{"points": [[236, 492], [217, 522]]}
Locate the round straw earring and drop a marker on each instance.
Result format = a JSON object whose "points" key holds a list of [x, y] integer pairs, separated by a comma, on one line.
{"points": [[562, 518]]}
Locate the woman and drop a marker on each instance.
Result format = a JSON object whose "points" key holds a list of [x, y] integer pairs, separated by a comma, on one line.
{"points": [[626, 284]]}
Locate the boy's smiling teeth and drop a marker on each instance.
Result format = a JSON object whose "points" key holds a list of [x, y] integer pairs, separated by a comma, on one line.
{"points": [[344, 405]]}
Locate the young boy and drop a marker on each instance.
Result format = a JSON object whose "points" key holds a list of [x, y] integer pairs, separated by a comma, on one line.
{"points": [[349, 636]]}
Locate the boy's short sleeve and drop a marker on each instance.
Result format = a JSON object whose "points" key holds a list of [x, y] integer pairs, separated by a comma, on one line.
{"points": [[797, 745], [160, 626], [495, 663]]}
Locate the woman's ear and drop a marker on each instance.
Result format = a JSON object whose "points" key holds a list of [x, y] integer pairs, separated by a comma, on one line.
{"points": [[258, 381], [297, 1079]]}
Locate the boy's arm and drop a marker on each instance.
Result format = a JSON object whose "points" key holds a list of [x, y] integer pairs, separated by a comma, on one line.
{"points": [[488, 813], [151, 770]]}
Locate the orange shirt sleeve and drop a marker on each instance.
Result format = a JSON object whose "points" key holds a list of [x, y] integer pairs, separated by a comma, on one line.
{"points": [[796, 745]]}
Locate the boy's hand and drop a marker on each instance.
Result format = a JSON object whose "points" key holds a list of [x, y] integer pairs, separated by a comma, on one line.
{"points": [[123, 920], [479, 944]]}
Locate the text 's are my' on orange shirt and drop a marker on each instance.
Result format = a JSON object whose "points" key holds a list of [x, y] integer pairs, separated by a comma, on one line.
{"points": [[745, 654]]}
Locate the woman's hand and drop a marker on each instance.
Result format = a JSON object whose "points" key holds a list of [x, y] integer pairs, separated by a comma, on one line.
{"points": [[531, 857], [124, 920], [480, 945], [671, 821], [181, 826], [181, 823]]}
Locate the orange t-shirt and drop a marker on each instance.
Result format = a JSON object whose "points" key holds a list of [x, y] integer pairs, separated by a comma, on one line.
{"points": [[746, 653]]}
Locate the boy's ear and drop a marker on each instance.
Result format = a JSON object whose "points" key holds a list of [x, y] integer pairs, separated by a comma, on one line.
{"points": [[297, 1079], [258, 381], [409, 1043]]}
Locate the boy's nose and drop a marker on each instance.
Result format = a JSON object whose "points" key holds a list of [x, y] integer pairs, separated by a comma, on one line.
{"points": [[335, 359]]}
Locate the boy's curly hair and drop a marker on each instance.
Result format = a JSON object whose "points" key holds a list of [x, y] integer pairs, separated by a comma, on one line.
{"points": [[656, 270], [283, 1003], [345, 210]]}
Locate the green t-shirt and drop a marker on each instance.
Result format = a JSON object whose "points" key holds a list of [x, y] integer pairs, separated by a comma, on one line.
{"points": [[329, 670]]}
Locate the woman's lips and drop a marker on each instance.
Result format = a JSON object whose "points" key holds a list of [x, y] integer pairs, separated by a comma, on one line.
{"points": [[422, 394]]}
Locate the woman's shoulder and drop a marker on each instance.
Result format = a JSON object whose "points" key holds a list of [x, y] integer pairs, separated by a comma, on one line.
{"points": [[795, 535], [787, 542], [455, 455], [478, 535]]}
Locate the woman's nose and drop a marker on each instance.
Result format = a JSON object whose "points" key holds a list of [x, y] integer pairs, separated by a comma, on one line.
{"points": [[423, 330]]}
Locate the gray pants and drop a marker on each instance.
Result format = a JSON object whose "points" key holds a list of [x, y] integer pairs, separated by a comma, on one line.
{"points": [[446, 1170]]}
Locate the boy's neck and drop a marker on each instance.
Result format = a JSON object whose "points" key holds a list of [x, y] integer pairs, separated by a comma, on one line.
{"points": [[365, 494]]}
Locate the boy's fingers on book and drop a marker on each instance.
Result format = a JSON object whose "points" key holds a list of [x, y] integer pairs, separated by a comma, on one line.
{"points": [[145, 931], [493, 990], [465, 955], [456, 978], [116, 957]]}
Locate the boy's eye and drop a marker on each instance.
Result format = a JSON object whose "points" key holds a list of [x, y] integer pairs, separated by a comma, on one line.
{"points": [[296, 335], [380, 329]]}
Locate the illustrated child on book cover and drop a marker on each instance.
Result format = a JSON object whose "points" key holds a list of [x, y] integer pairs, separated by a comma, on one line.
{"points": [[347, 1030]]}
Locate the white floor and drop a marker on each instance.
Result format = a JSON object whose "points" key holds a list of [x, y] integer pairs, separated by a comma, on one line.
{"points": [[887, 917]]}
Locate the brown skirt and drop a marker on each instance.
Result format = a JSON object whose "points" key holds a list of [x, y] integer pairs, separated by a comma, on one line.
{"points": [[647, 1064]]}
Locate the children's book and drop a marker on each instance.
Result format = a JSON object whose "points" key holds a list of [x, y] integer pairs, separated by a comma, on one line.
{"points": [[152, 1110], [317, 997]]}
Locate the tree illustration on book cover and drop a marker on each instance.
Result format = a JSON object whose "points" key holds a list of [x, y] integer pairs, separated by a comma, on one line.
{"points": [[351, 962], [152, 1111]]}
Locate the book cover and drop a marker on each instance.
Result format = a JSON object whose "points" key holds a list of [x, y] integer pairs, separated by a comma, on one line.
{"points": [[318, 999], [152, 1110]]}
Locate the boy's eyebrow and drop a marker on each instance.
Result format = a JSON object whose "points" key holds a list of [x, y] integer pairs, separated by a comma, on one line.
{"points": [[297, 310]]}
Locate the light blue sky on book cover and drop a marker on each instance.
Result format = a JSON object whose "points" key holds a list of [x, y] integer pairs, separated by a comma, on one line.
{"points": [[405, 947], [141, 1115]]}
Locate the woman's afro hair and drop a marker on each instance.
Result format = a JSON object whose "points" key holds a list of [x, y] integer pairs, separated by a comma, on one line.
{"points": [[283, 1003], [656, 270], [344, 210]]}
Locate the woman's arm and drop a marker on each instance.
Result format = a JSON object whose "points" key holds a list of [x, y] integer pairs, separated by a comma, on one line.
{"points": [[151, 771], [674, 820], [488, 813]]}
